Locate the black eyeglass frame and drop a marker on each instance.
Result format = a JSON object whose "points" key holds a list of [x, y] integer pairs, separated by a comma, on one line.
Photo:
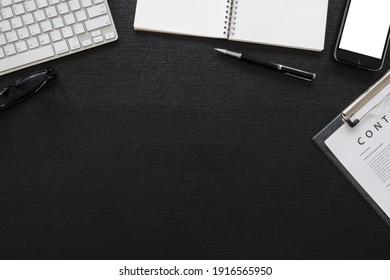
{"points": [[40, 77]]}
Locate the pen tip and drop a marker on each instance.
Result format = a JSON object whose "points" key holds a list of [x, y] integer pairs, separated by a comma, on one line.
{"points": [[219, 50]]}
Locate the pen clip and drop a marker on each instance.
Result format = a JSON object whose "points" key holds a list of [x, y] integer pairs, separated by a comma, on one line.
{"points": [[297, 73], [298, 77]]}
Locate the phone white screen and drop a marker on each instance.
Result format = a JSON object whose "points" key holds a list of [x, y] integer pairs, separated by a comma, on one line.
{"points": [[366, 27]]}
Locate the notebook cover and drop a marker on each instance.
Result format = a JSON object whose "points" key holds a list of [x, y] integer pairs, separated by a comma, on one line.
{"points": [[297, 24], [252, 21]]}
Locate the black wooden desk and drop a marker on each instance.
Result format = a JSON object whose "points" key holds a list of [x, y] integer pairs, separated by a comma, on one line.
{"points": [[155, 147]]}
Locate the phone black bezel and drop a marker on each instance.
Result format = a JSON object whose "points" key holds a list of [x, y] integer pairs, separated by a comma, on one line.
{"points": [[357, 59]]}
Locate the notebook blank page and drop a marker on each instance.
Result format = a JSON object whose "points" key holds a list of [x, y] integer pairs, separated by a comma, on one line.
{"points": [[289, 23], [204, 18]]}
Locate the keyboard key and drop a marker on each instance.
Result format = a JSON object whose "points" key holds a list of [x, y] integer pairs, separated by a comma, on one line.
{"points": [[40, 15], [19, 9], [86, 43], [74, 43], [98, 39], [7, 13], [78, 29], [61, 47], [28, 19], [109, 36], [32, 43], [57, 23], [69, 19], [81, 15], [96, 33], [46, 26], [30, 6], [6, 3], [9, 50], [2, 40], [42, 4], [51, 12], [98, 10], [97, 23], [23, 33], [44, 39], [63, 8], [74, 5], [5, 26], [86, 3], [11, 36], [16, 22], [55, 35], [26, 57], [67, 32], [21, 46], [34, 29]]}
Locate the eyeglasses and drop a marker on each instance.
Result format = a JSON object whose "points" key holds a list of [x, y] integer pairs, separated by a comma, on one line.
{"points": [[24, 88]]}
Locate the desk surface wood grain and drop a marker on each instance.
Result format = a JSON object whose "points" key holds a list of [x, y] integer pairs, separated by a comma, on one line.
{"points": [[155, 147]]}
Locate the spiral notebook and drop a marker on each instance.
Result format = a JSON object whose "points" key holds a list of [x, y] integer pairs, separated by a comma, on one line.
{"points": [[287, 23]]}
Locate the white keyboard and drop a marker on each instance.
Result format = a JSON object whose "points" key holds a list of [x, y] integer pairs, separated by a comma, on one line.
{"points": [[36, 31]]}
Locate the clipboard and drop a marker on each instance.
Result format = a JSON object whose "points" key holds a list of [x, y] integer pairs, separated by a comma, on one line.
{"points": [[348, 116]]}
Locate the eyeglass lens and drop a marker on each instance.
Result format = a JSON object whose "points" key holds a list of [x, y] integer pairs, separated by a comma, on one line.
{"points": [[24, 88]]}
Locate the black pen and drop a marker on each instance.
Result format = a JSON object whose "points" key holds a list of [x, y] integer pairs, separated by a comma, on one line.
{"points": [[293, 72]]}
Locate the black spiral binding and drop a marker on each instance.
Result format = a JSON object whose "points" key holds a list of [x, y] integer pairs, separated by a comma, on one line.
{"points": [[230, 18]]}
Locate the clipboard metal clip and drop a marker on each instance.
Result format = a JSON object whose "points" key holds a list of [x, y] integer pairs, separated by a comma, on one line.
{"points": [[363, 99], [349, 121]]}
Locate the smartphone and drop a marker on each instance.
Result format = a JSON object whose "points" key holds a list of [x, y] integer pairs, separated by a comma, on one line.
{"points": [[364, 34]]}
